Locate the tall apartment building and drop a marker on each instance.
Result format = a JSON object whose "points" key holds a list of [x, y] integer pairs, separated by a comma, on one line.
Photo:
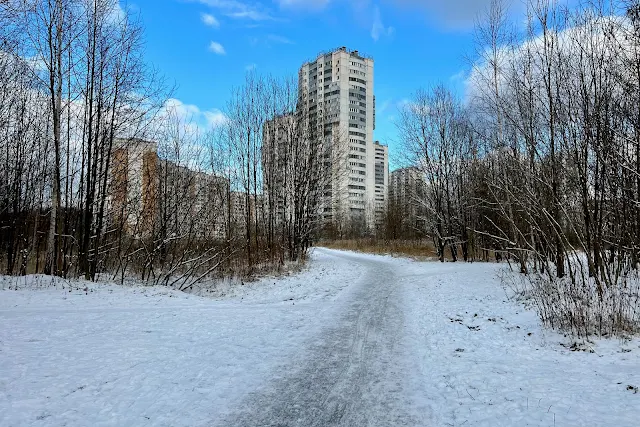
{"points": [[406, 186], [381, 180], [277, 153], [407, 193], [337, 106]]}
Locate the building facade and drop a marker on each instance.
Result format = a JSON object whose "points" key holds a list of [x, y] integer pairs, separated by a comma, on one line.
{"points": [[381, 181], [134, 183], [149, 195], [337, 108], [278, 137], [407, 199], [406, 186]]}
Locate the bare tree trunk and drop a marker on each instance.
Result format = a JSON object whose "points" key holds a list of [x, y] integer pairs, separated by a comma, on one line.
{"points": [[55, 45]]}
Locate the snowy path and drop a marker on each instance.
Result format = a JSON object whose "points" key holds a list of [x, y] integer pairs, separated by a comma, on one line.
{"points": [[356, 340], [354, 371]]}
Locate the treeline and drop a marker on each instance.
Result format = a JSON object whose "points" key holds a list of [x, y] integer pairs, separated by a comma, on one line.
{"points": [[541, 163], [102, 173], [72, 81]]}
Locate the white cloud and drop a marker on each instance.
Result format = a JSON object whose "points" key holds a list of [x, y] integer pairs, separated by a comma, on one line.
{"points": [[181, 131], [217, 48], [252, 15], [304, 4], [215, 118], [279, 39], [454, 14], [378, 29], [115, 12], [239, 10], [210, 20], [460, 76], [196, 119], [384, 106], [569, 44], [269, 40]]}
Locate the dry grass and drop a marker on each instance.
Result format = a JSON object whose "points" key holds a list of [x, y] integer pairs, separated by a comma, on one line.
{"points": [[417, 249], [579, 309], [575, 305]]}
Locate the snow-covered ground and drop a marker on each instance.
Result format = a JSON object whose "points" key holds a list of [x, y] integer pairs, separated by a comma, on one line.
{"points": [[485, 360], [461, 353]]}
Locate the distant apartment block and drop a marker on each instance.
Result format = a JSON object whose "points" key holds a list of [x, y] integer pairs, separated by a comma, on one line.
{"points": [[245, 207], [149, 194], [133, 200], [406, 186], [407, 192]]}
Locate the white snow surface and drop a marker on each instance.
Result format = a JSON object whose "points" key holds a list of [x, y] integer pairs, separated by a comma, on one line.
{"points": [[85, 354]]}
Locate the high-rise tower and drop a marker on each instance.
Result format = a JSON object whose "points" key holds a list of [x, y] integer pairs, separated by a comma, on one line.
{"points": [[337, 105]]}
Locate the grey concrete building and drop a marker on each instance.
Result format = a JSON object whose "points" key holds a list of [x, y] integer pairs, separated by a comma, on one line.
{"points": [[407, 193], [337, 106], [406, 186], [277, 171], [381, 178]]}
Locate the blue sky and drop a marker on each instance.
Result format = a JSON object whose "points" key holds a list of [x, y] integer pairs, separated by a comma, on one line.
{"points": [[206, 46]]}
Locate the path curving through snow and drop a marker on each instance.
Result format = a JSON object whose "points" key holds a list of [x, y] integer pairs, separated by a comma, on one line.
{"points": [[353, 372]]}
